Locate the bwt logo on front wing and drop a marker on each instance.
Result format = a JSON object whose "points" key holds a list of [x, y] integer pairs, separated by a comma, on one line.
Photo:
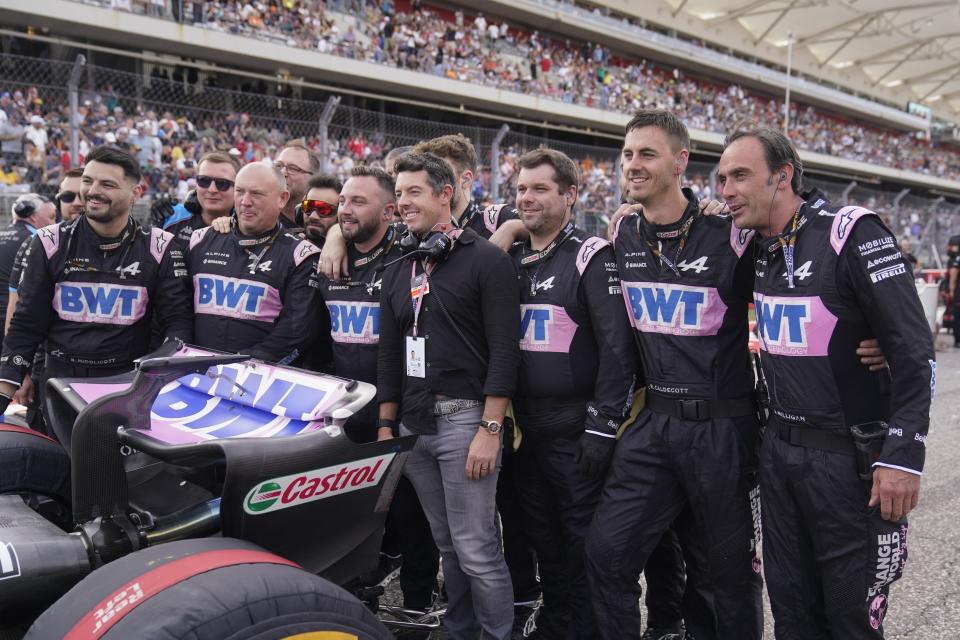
{"points": [[300, 488], [357, 322], [101, 303], [676, 309]]}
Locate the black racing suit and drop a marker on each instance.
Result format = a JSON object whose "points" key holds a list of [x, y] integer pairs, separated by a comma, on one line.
{"points": [[254, 294], [953, 266], [517, 546], [690, 458], [182, 223], [34, 416], [91, 300], [352, 311], [10, 240], [486, 220], [829, 558], [577, 371]]}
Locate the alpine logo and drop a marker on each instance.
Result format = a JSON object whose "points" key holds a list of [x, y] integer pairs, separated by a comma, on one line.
{"points": [[804, 272], [300, 488], [9, 563], [265, 266], [132, 269], [699, 265], [264, 497], [546, 285]]}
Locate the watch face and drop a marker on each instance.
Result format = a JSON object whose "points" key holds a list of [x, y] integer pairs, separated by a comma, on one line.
{"points": [[492, 427]]}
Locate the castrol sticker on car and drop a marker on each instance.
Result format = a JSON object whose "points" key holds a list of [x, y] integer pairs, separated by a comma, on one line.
{"points": [[299, 488]]}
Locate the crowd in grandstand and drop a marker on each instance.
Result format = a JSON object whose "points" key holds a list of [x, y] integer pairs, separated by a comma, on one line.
{"points": [[485, 50]]}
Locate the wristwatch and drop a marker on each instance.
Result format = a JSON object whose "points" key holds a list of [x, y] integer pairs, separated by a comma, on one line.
{"points": [[492, 426]]}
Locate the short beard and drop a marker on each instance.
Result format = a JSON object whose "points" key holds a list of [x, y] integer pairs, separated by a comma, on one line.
{"points": [[363, 232]]}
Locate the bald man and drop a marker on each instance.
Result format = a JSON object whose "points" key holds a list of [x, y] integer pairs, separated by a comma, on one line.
{"points": [[253, 291]]}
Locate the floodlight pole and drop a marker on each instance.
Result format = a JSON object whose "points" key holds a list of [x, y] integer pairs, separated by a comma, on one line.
{"points": [[72, 91], [786, 109]]}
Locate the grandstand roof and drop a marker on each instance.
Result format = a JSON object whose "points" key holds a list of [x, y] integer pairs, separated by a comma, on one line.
{"points": [[894, 43]]}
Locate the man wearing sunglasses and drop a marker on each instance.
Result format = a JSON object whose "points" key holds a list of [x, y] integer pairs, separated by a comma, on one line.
{"points": [[68, 200], [253, 290], [216, 173], [298, 163], [318, 209]]}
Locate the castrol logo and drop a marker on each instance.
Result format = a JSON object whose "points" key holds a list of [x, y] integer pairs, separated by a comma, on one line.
{"points": [[299, 488]]}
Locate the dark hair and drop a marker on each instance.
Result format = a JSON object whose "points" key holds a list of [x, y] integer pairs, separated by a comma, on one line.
{"points": [[220, 157], [76, 172], [300, 144], [325, 181], [666, 122], [565, 171], [456, 148], [118, 157], [384, 181], [777, 149], [439, 172]]}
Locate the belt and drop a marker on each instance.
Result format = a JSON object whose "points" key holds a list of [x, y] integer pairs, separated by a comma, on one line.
{"points": [[812, 438], [453, 405], [687, 409]]}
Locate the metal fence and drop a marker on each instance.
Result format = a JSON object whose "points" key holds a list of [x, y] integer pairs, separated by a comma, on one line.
{"points": [[193, 110]]}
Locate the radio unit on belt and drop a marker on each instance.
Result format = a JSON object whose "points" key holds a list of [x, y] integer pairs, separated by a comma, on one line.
{"points": [[868, 438]]}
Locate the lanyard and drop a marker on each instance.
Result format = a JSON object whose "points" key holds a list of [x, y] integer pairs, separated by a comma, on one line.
{"points": [[267, 241], [683, 232], [541, 256], [788, 245], [417, 295]]}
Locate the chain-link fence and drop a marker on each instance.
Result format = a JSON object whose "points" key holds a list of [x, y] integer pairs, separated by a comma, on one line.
{"points": [[169, 115]]}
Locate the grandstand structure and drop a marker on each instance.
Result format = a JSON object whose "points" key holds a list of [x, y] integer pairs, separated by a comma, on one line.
{"points": [[358, 77]]}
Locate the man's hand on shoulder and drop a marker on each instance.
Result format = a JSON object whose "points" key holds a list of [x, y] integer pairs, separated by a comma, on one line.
{"points": [[624, 210], [223, 224]]}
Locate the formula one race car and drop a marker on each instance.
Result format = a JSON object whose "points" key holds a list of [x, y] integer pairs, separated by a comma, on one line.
{"points": [[203, 495]]}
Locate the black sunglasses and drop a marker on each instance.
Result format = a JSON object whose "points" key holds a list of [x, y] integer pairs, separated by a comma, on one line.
{"points": [[222, 183], [67, 196]]}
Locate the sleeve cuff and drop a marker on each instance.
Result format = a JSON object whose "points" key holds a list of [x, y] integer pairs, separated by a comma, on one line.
{"points": [[893, 466]]}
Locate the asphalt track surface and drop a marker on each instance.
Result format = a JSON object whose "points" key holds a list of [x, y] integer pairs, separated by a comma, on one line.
{"points": [[925, 603]]}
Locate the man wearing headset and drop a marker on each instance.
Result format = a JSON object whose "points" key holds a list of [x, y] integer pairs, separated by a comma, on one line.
{"points": [[449, 320], [844, 447], [103, 277], [253, 289]]}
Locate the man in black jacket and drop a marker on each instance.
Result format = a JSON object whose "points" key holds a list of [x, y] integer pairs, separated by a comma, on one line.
{"points": [[449, 323]]}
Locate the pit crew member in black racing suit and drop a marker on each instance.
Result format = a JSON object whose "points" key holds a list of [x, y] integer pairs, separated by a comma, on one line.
{"points": [[691, 454], [953, 286], [842, 456], [577, 373], [253, 287], [214, 197], [104, 278]]}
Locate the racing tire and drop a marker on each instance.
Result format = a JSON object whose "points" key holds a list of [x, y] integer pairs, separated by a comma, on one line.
{"points": [[206, 589], [32, 463]]}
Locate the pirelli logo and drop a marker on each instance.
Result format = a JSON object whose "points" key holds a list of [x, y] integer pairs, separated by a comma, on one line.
{"points": [[888, 272]]}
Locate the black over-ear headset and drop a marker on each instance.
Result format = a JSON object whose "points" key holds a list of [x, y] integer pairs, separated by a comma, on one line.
{"points": [[28, 206]]}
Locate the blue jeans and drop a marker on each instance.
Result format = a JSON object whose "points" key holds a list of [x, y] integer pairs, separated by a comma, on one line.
{"points": [[462, 515]]}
